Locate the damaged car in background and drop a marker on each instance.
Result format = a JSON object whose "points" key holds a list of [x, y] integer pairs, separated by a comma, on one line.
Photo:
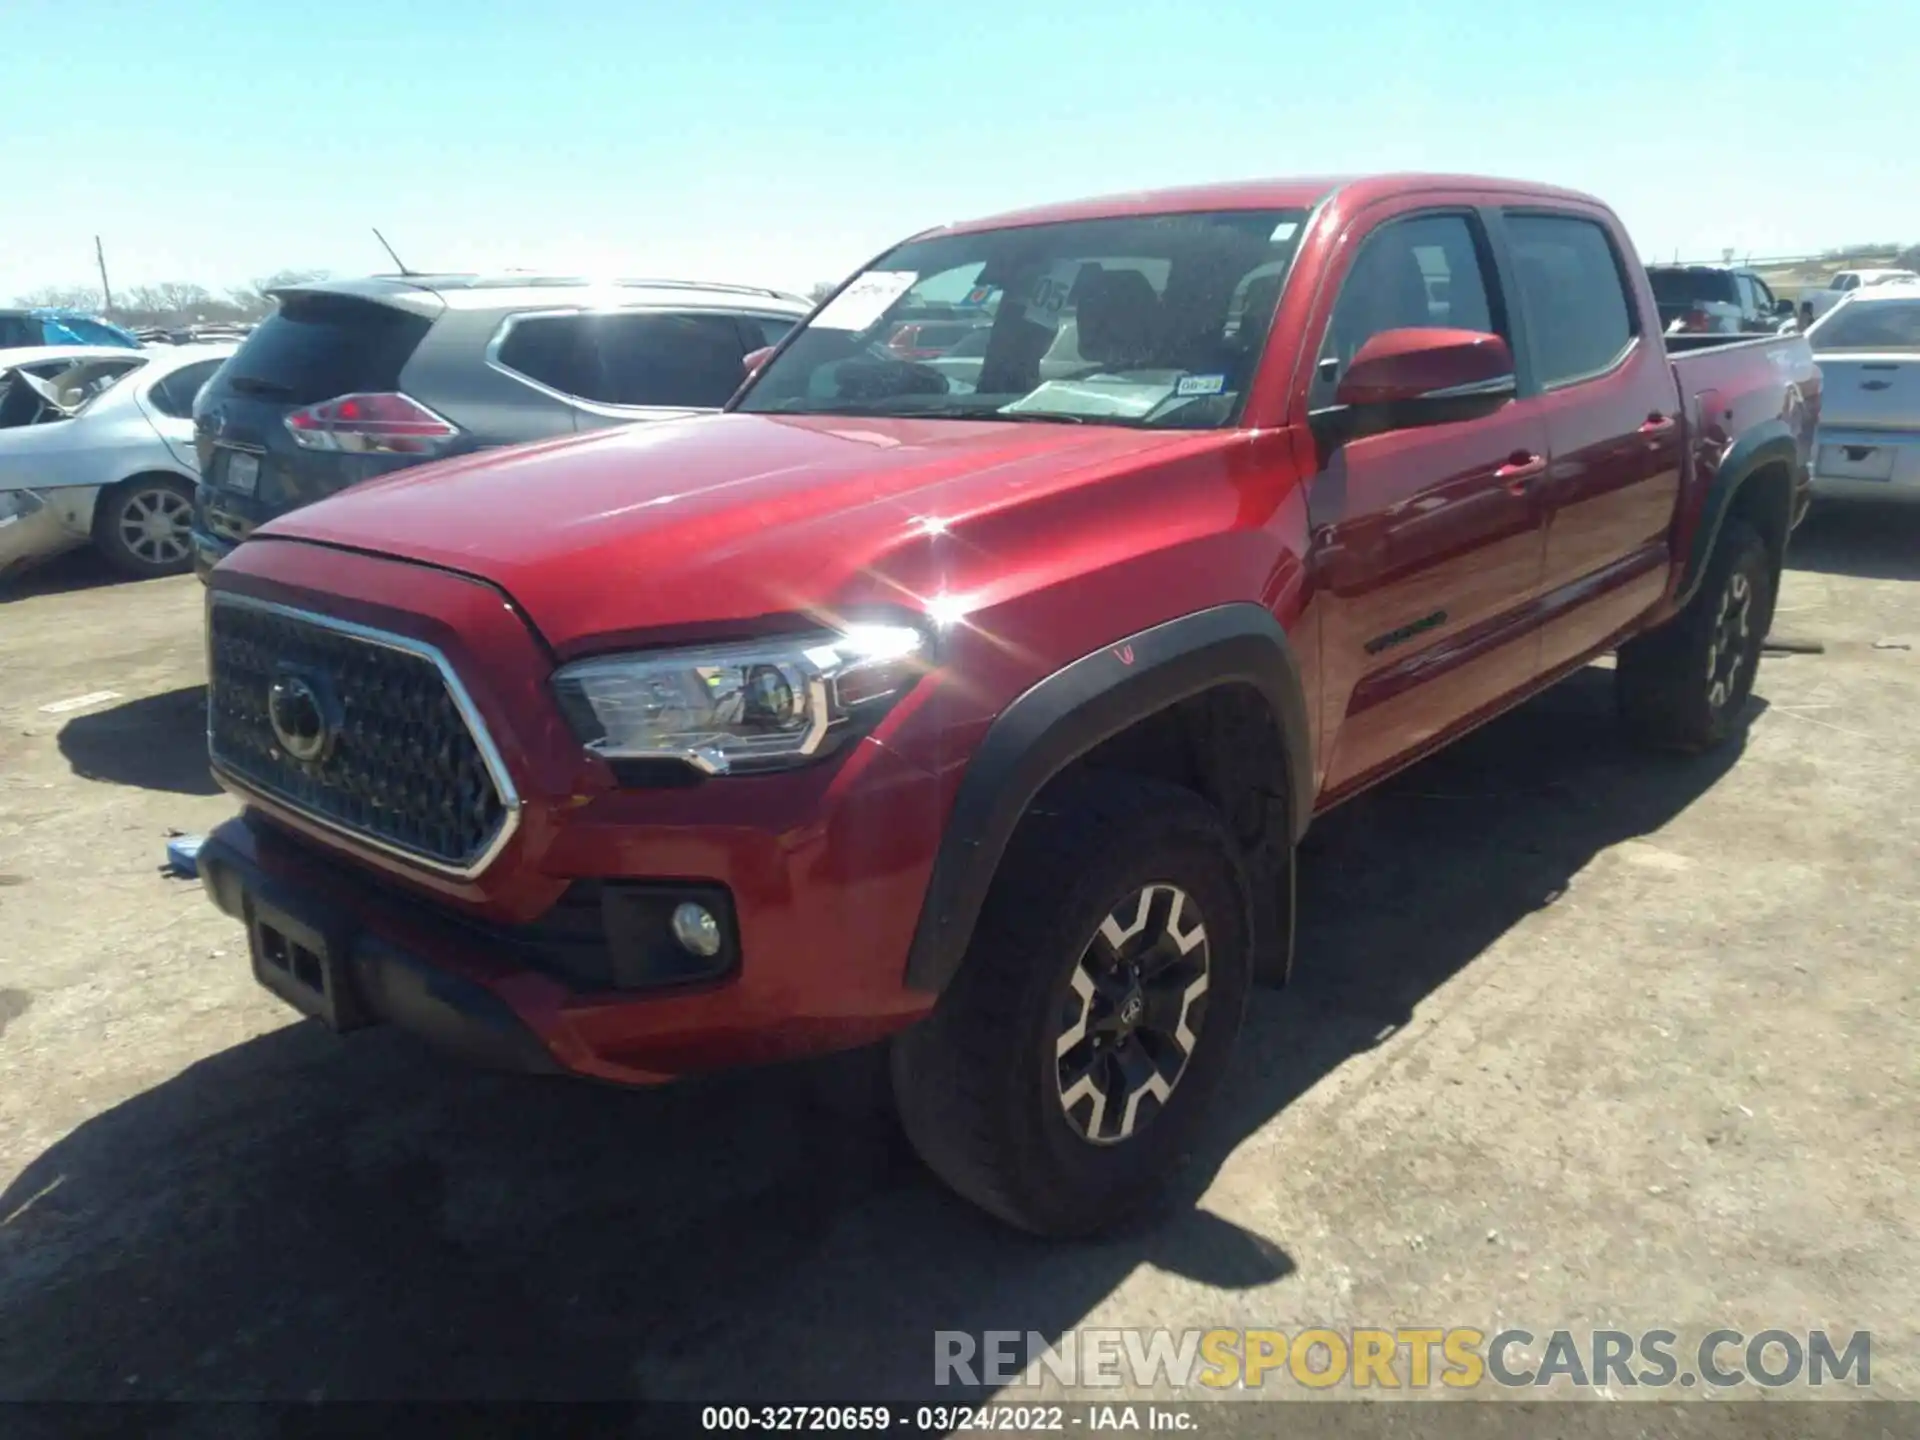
{"points": [[96, 448]]}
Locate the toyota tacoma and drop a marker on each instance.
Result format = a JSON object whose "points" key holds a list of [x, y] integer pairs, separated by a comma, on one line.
{"points": [[977, 703]]}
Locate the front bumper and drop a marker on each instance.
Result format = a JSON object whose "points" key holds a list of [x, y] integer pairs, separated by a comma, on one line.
{"points": [[369, 977]]}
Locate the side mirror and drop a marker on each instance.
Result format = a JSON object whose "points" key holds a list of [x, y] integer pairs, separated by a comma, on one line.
{"points": [[755, 359], [1425, 376]]}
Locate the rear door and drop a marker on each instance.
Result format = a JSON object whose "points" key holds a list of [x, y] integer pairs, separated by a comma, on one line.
{"points": [[1427, 541], [1610, 402], [319, 345]]}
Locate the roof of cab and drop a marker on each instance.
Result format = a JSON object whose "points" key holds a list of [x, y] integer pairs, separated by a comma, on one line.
{"points": [[1298, 193]]}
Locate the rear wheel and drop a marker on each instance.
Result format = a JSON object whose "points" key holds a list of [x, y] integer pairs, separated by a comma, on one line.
{"points": [[144, 526], [1683, 686], [1061, 1076]]}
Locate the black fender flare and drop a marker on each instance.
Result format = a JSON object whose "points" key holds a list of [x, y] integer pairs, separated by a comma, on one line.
{"points": [[1768, 443], [1069, 712]]}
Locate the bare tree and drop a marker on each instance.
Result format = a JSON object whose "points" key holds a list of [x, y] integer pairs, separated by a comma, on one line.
{"points": [[168, 298], [255, 303], [62, 297]]}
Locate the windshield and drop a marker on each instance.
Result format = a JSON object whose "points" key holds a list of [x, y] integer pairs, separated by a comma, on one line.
{"points": [[1144, 320], [1864, 325]]}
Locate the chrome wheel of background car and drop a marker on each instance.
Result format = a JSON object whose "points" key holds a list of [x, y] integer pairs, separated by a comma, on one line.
{"points": [[1732, 631], [1135, 1002], [156, 525]]}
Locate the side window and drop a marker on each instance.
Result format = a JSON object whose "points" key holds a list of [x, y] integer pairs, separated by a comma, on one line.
{"points": [[661, 359], [547, 348], [176, 393], [1426, 270], [16, 331], [1763, 298], [762, 330], [1846, 282], [1579, 317]]}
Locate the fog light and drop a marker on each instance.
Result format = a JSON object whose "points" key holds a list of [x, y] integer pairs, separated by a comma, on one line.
{"points": [[696, 929]]}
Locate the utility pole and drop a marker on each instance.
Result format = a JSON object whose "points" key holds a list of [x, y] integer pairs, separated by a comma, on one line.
{"points": [[106, 290]]}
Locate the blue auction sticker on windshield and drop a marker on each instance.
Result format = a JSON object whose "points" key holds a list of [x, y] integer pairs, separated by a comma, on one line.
{"points": [[1200, 385]]}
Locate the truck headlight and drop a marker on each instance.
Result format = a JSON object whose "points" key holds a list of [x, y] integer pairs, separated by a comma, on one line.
{"points": [[729, 709]]}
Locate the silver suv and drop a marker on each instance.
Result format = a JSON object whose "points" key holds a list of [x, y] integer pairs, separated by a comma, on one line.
{"points": [[351, 379]]}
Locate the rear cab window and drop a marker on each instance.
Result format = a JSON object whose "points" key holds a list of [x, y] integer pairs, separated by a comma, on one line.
{"points": [[1869, 325], [1681, 289], [1580, 317]]}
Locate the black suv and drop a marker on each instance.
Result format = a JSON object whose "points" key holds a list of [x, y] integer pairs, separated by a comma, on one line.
{"points": [[351, 379]]}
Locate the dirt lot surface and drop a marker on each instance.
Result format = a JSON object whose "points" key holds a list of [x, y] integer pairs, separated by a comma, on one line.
{"points": [[1579, 1038]]}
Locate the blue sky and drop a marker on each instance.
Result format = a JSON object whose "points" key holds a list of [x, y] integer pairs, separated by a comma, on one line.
{"points": [[782, 143]]}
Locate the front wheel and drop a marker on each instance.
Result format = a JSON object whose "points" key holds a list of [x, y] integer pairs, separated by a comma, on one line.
{"points": [[144, 526], [1683, 686], [1060, 1078]]}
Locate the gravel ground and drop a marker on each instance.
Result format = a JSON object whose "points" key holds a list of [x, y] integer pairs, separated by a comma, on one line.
{"points": [[1578, 1039]]}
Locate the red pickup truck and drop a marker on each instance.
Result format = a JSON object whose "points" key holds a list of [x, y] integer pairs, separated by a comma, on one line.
{"points": [[977, 702]]}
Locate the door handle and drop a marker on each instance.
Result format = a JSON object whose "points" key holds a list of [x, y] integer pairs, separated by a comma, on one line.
{"points": [[1656, 424], [1520, 471]]}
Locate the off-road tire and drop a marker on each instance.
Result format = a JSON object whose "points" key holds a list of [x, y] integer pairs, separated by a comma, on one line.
{"points": [[132, 547], [980, 1083], [1684, 685]]}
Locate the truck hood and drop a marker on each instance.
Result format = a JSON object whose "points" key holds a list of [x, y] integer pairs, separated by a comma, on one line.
{"points": [[720, 518]]}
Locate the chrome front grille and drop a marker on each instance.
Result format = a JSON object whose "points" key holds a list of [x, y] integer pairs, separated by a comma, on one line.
{"points": [[369, 733]]}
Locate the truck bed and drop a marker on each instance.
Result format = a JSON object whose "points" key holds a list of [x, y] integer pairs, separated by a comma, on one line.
{"points": [[1694, 344]]}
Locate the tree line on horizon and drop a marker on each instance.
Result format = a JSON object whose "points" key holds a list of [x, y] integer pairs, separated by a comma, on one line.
{"points": [[171, 302]]}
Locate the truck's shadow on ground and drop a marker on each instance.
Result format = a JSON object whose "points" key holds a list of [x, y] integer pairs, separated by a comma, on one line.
{"points": [[158, 742], [76, 570], [306, 1216], [1859, 538]]}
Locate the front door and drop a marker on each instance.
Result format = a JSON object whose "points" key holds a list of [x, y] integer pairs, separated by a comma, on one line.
{"points": [[1427, 541]]}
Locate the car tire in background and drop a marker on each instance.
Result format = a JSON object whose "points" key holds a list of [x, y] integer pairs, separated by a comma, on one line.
{"points": [[144, 526], [1684, 685], [1060, 1079]]}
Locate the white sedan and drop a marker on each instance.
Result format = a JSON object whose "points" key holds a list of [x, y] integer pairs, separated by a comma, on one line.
{"points": [[1816, 303], [1868, 442], [96, 447]]}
